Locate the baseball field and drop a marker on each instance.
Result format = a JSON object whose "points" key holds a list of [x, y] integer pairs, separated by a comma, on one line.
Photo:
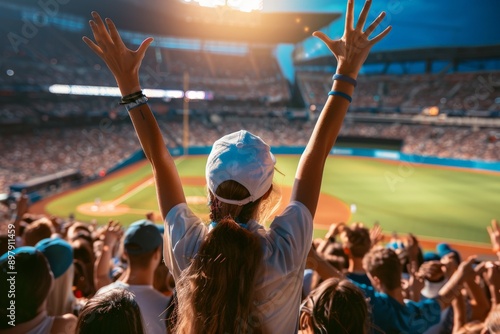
{"points": [[436, 203]]}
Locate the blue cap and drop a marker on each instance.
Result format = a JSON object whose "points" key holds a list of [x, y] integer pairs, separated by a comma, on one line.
{"points": [[58, 252], [19, 250], [431, 256], [141, 237], [395, 245], [443, 249]]}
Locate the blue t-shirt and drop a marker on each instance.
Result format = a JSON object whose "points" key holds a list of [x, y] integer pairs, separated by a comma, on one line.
{"points": [[394, 318], [359, 278]]}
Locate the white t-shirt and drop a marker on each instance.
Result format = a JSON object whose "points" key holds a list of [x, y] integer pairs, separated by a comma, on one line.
{"points": [[151, 303], [285, 247]]}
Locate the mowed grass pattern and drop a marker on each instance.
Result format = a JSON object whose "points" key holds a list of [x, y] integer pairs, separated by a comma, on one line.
{"points": [[426, 200]]}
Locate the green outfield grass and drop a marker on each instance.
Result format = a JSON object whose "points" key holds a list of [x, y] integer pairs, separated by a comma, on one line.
{"points": [[426, 200]]}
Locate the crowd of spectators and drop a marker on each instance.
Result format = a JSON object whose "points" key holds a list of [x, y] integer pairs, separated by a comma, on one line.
{"points": [[89, 150], [447, 142], [112, 279], [102, 279], [98, 148], [59, 57], [473, 93]]}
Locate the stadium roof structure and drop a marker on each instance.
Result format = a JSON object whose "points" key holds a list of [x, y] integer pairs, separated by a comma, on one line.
{"points": [[187, 20]]}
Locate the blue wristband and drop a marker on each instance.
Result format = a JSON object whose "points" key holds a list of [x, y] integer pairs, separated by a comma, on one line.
{"points": [[344, 95], [345, 78]]}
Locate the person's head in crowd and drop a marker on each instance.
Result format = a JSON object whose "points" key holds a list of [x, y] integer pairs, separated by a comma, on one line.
{"points": [[114, 311], [143, 245], [383, 268], [59, 253], [235, 257], [444, 249], [400, 247], [356, 240], [336, 306], [335, 255], [84, 261], [31, 283], [403, 258], [239, 174], [38, 230]]}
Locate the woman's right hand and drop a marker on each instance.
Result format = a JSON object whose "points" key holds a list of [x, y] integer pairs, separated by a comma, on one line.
{"points": [[123, 62], [352, 49]]}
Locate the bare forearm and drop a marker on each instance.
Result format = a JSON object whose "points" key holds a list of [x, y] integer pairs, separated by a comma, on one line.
{"points": [[148, 132], [102, 268], [459, 316], [495, 294], [479, 301], [449, 291], [325, 270], [168, 184], [310, 170]]}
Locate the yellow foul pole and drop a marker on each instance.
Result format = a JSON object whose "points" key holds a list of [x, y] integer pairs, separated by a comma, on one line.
{"points": [[185, 140]]}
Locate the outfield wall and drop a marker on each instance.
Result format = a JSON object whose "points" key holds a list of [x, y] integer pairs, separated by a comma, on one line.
{"points": [[354, 152]]}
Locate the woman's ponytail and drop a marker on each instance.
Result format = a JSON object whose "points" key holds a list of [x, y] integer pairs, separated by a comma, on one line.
{"points": [[216, 292]]}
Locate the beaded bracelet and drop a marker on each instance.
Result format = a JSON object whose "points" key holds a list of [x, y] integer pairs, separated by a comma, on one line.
{"points": [[344, 95]]}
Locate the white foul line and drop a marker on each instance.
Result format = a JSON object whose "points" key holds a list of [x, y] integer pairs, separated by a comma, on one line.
{"points": [[132, 192], [140, 187]]}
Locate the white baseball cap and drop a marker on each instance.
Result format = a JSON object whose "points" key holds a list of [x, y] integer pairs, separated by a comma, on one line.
{"points": [[244, 158]]}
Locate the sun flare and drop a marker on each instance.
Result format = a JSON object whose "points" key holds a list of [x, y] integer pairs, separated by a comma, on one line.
{"points": [[242, 5]]}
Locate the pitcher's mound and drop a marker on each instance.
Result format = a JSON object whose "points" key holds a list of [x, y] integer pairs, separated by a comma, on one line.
{"points": [[102, 209]]}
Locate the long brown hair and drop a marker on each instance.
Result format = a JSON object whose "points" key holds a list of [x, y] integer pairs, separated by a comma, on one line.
{"points": [[216, 292]]}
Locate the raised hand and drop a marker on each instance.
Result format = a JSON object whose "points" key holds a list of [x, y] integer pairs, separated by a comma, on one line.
{"points": [[415, 284], [353, 47], [376, 234], [412, 247], [112, 233], [335, 229], [466, 269], [490, 272], [449, 265], [494, 232], [123, 62]]}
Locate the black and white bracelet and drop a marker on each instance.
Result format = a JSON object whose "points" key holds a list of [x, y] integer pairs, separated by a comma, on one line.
{"points": [[136, 103]]}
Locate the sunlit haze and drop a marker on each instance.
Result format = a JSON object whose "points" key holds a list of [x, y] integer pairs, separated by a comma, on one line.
{"points": [[243, 5]]}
